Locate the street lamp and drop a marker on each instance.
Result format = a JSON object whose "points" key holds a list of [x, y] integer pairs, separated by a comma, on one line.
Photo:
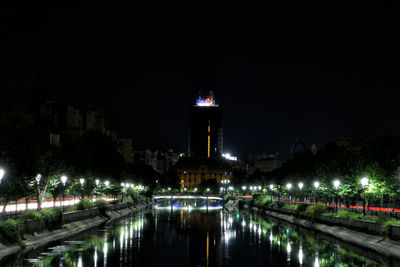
{"points": [[97, 182], [38, 177], [289, 186], [82, 181], [336, 184], [63, 181], [106, 183], [364, 183], [301, 187], [271, 187], [316, 185], [195, 190], [2, 172]]}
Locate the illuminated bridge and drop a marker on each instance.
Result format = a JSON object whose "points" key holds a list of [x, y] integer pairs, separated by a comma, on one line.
{"points": [[187, 201]]}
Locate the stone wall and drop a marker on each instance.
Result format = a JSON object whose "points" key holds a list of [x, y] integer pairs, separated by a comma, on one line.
{"points": [[79, 215], [358, 225]]}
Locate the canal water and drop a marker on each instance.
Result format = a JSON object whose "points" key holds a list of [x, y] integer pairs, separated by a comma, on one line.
{"points": [[196, 237]]}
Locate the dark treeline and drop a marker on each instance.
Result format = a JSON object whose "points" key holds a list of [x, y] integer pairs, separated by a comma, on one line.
{"points": [[378, 161], [25, 152]]}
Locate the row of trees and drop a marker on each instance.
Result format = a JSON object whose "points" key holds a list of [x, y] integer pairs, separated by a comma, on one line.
{"points": [[25, 152], [379, 161]]}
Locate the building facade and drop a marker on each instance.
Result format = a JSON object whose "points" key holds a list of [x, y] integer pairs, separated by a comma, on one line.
{"points": [[193, 171]]}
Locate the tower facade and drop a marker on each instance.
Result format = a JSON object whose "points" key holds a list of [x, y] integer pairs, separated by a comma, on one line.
{"points": [[206, 132]]}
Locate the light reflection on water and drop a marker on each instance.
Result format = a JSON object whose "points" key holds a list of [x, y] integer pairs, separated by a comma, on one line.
{"points": [[190, 237]]}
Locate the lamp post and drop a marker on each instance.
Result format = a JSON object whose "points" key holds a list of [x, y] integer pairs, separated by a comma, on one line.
{"points": [[63, 181], [106, 183], [37, 178], [336, 183], [82, 181], [316, 185], [271, 187], [2, 172], [364, 183], [301, 185], [289, 186]]}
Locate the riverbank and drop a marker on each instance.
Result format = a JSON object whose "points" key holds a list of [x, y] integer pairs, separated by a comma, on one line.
{"points": [[36, 234], [357, 232]]}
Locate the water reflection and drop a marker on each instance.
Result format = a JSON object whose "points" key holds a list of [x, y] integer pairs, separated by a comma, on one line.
{"points": [[190, 237]]}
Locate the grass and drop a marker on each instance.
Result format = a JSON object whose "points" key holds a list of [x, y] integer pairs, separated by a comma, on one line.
{"points": [[300, 207], [316, 210], [85, 204], [349, 215], [128, 199], [101, 203], [385, 221], [289, 206], [31, 215], [10, 230]]}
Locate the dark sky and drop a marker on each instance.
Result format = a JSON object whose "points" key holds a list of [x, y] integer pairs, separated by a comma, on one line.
{"points": [[279, 72]]}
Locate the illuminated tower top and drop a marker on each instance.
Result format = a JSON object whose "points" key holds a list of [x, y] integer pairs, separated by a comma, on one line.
{"points": [[208, 101], [206, 132]]}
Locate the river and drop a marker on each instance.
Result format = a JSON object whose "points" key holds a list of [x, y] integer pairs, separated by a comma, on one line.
{"points": [[196, 237]]}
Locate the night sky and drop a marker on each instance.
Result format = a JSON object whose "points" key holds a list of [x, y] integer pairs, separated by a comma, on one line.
{"points": [[317, 72]]}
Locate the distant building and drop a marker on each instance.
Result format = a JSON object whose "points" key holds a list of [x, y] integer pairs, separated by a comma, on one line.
{"points": [[351, 143], [67, 123], [126, 149], [266, 163], [299, 146], [206, 132], [161, 161], [193, 170]]}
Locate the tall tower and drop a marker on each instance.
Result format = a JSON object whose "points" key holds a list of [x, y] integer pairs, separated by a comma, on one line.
{"points": [[206, 134]]}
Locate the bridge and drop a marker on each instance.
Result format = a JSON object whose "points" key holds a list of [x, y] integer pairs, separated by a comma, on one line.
{"points": [[187, 201]]}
